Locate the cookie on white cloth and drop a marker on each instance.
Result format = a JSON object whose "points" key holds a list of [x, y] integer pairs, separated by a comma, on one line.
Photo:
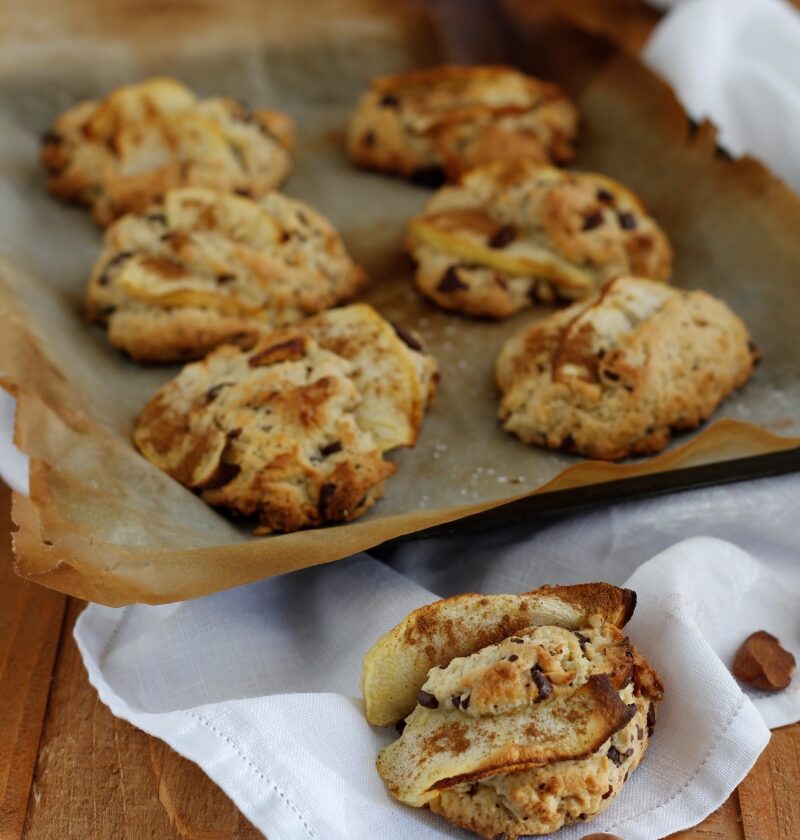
{"points": [[525, 735]]}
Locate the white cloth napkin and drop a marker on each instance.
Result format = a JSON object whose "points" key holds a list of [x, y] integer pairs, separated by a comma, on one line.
{"points": [[259, 685], [737, 62]]}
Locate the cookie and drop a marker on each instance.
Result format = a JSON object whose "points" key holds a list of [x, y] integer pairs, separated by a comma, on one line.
{"points": [[120, 154], [396, 665], [617, 374], [514, 234], [291, 431], [530, 733], [203, 267], [433, 125]]}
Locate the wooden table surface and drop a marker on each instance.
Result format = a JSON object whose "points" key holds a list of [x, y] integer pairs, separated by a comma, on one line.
{"points": [[69, 769]]}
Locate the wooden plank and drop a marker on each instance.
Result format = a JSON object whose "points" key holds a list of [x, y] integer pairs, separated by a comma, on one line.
{"points": [[770, 795], [30, 625], [724, 824], [99, 777]]}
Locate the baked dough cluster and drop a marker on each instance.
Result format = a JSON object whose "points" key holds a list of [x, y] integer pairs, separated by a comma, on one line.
{"points": [[617, 374], [532, 713], [512, 234], [203, 267], [120, 154], [433, 125], [293, 430]]}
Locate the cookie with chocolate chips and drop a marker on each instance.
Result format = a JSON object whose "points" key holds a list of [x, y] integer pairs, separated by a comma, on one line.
{"points": [[292, 431], [537, 730], [203, 267], [122, 153], [431, 126], [617, 374], [512, 234]]}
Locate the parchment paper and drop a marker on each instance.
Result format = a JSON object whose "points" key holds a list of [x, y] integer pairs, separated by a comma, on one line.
{"points": [[104, 524]]}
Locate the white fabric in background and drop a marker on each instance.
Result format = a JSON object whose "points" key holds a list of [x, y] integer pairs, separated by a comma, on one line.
{"points": [[737, 63]]}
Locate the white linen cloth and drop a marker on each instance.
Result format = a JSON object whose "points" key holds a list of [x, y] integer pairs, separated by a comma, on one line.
{"points": [[259, 685], [737, 63]]}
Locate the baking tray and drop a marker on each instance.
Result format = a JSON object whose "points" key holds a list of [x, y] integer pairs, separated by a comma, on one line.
{"points": [[104, 524]]}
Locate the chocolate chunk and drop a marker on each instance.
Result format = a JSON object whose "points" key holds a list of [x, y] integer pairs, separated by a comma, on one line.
{"points": [[119, 259], [428, 176], [513, 657], [450, 281], [639, 733], [222, 279], [405, 336], [627, 221], [400, 726], [389, 100], [115, 261], [457, 700], [473, 789], [224, 474], [465, 702], [503, 236], [631, 706], [612, 375], [542, 683], [628, 753], [651, 719], [211, 393], [614, 755], [51, 137], [593, 220], [427, 700], [325, 494], [755, 352], [763, 662], [156, 218], [582, 640], [606, 794], [605, 196], [331, 449], [517, 640]]}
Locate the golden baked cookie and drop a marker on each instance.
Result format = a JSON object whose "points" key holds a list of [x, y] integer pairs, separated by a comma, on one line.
{"points": [[120, 154], [514, 234], [617, 374], [292, 431], [433, 125], [203, 267], [526, 734]]}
